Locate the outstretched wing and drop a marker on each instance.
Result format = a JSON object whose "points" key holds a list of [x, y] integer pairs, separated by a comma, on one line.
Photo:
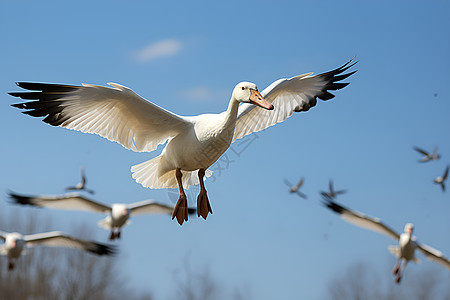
{"points": [[67, 201], [434, 255], [361, 219], [3, 235], [59, 239], [116, 113], [295, 94], [421, 151], [444, 177], [151, 207]]}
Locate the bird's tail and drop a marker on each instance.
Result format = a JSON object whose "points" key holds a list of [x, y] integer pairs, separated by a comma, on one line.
{"points": [[147, 174], [394, 250], [105, 223]]}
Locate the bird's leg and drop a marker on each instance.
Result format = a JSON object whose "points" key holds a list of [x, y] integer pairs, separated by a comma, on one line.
{"points": [[112, 236], [181, 209], [118, 234], [10, 265], [400, 273], [396, 267], [203, 206]]}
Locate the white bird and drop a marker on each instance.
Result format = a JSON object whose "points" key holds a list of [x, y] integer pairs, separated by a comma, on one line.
{"points": [[428, 156], [441, 180], [295, 188], [118, 213], [15, 244], [407, 243], [331, 194], [81, 186], [194, 143]]}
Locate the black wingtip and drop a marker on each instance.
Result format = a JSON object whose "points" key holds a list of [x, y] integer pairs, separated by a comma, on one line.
{"points": [[333, 206], [19, 199], [102, 249], [192, 211]]}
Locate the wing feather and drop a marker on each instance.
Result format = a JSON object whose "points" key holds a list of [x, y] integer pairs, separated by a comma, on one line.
{"points": [[434, 255], [59, 239], [151, 207], [116, 113], [362, 220], [291, 95], [70, 201]]}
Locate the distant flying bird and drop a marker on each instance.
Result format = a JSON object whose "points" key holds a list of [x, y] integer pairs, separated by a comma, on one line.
{"points": [[195, 142], [407, 243], [81, 186], [428, 156], [15, 244], [441, 180], [118, 213], [331, 194], [295, 188]]}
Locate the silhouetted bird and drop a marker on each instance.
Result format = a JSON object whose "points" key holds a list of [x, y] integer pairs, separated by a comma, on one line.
{"points": [[81, 186], [295, 188], [428, 156], [331, 194], [441, 180]]}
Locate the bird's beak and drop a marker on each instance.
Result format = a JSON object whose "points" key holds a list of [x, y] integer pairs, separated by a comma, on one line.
{"points": [[257, 99]]}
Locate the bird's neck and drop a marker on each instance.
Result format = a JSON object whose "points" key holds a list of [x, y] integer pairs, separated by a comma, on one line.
{"points": [[231, 113]]}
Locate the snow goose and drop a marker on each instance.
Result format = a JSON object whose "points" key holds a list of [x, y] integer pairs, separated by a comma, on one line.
{"points": [[331, 194], [15, 244], [118, 213], [441, 180], [295, 188], [428, 156], [194, 143], [407, 243], [81, 186]]}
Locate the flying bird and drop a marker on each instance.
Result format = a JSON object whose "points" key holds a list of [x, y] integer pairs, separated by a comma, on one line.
{"points": [[118, 213], [81, 186], [15, 244], [428, 156], [295, 188], [331, 194], [441, 180], [407, 243], [194, 143]]}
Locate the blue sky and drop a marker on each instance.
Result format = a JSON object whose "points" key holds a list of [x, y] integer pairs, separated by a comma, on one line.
{"points": [[187, 57]]}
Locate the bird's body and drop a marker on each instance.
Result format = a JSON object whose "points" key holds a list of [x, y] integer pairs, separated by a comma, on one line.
{"points": [[441, 179], [407, 243], [118, 214], [194, 143], [15, 244], [331, 194], [80, 186], [296, 188], [428, 156]]}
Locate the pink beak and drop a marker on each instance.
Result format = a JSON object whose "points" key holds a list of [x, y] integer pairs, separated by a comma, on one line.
{"points": [[257, 99]]}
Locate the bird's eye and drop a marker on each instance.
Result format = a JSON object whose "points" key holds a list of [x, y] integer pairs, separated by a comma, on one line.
{"points": [[243, 88]]}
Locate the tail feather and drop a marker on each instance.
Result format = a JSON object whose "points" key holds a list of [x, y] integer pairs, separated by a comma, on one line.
{"points": [[105, 223], [147, 174], [394, 250]]}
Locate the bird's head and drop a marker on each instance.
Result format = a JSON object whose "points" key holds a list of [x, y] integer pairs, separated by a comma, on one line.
{"points": [[15, 240], [409, 228], [247, 92]]}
